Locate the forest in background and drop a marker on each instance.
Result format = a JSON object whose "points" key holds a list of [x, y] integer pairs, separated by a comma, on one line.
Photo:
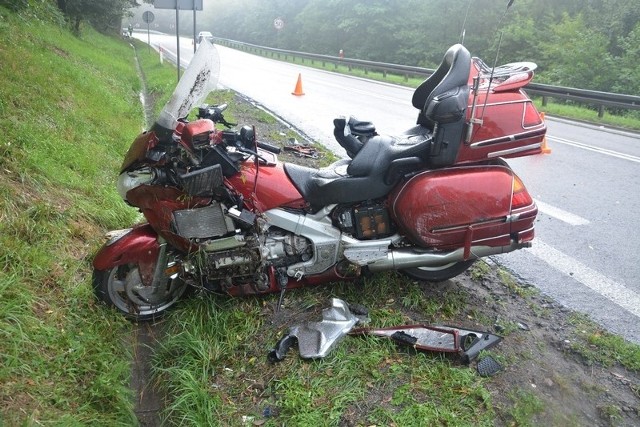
{"points": [[589, 44]]}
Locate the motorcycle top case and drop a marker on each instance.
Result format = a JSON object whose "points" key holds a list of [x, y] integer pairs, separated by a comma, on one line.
{"points": [[511, 126], [463, 206]]}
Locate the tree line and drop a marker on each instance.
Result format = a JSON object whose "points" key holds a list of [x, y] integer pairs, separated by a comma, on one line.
{"points": [[590, 44], [104, 15]]}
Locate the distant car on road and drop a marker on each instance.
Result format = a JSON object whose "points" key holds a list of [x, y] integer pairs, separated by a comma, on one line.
{"points": [[204, 35]]}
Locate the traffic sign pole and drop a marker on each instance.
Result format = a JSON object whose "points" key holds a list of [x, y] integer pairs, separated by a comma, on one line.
{"points": [[148, 17]]}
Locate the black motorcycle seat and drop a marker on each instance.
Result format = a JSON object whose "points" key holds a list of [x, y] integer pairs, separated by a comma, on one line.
{"points": [[371, 174]]}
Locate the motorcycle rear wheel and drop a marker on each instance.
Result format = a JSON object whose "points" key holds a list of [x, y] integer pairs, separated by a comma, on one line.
{"points": [[122, 288], [439, 273]]}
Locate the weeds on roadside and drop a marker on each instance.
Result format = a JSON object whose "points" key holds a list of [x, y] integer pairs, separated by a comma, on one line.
{"points": [[67, 115], [597, 345]]}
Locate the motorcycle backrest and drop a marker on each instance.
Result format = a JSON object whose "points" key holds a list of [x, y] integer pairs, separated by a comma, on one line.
{"points": [[442, 100], [452, 73]]}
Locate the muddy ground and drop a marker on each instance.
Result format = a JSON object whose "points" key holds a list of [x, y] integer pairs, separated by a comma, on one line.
{"points": [[543, 351]]}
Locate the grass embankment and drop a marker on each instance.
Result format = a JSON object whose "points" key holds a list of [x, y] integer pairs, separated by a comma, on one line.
{"points": [[69, 107]]}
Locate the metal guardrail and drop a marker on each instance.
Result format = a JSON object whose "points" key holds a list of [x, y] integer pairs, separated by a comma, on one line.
{"points": [[592, 97], [383, 67]]}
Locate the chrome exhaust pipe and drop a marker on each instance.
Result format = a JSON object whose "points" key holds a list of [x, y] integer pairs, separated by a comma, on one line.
{"points": [[399, 259]]}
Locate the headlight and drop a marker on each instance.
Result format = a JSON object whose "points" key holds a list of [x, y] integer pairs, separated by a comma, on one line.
{"points": [[129, 180]]}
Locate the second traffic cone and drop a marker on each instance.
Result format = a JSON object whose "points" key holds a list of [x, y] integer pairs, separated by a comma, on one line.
{"points": [[298, 90], [545, 148]]}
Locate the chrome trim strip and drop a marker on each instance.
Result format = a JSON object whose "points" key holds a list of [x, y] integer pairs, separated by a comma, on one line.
{"points": [[515, 150], [500, 220], [520, 101], [506, 138]]}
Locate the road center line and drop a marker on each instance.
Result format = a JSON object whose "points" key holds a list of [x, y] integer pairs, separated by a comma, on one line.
{"points": [[613, 291], [595, 149], [560, 214]]}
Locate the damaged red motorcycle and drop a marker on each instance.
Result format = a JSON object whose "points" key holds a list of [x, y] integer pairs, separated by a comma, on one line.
{"points": [[223, 214]]}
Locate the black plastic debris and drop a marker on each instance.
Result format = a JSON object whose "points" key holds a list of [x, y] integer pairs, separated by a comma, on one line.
{"points": [[488, 367]]}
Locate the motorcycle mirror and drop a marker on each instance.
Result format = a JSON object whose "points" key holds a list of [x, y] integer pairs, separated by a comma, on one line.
{"points": [[247, 136]]}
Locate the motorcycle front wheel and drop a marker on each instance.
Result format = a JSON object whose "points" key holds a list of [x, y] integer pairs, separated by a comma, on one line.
{"points": [[121, 287], [439, 273]]}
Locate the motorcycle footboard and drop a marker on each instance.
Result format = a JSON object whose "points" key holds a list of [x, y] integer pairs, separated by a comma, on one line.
{"points": [[441, 339], [421, 337]]}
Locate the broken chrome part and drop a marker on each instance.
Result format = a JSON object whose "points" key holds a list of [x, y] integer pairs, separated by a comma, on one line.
{"points": [[423, 337], [445, 339], [316, 339]]}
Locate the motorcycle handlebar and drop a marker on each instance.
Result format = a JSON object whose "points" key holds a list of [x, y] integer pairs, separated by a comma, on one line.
{"points": [[269, 147], [245, 139]]}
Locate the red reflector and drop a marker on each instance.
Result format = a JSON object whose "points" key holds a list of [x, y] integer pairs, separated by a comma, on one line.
{"points": [[520, 197], [531, 116]]}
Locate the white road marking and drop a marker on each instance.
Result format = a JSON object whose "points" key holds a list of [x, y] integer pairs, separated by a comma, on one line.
{"points": [[613, 291], [560, 214], [595, 149]]}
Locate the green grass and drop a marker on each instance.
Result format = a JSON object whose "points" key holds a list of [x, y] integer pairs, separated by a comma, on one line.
{"points": [[596, 345], [69, 107], [213, 364], [571, 110], [525, 405]]}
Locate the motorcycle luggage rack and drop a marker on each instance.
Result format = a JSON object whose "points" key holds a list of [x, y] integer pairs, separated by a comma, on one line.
{"points": [[202, 182]]}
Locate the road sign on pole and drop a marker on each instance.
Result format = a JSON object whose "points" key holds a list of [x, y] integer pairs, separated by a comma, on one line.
{"points": [[148, 17], [178, 4]]}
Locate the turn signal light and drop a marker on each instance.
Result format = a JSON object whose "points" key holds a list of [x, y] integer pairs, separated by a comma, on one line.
{"points": [[531, 116], [520, 197]]}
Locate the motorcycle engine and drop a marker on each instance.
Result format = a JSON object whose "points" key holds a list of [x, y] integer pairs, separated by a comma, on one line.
{"points": [[245, 255], [232, 250]]}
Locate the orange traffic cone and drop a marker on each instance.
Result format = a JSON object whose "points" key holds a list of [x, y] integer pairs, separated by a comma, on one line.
{"points": [[545, 148], [298, 90]]}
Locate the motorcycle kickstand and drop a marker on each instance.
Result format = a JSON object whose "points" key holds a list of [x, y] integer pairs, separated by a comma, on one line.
{"points": [[282, 282]]}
